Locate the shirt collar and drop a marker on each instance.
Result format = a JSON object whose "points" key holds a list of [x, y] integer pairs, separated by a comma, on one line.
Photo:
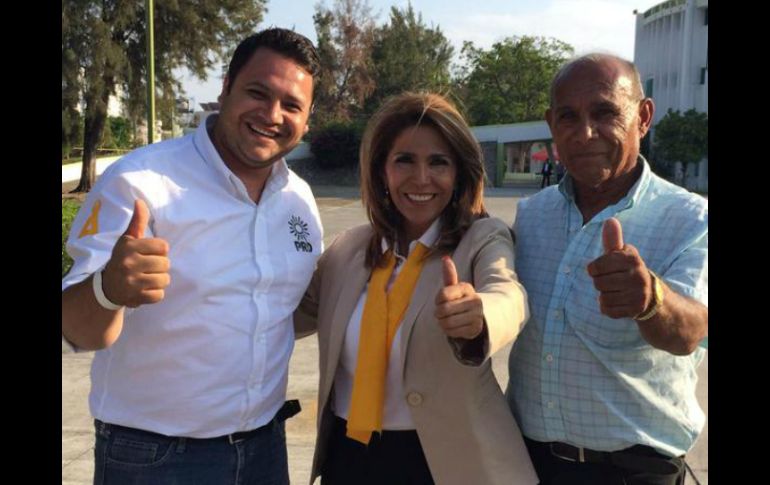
{"points": [[567, 190], [428, 238], [279, 174]]}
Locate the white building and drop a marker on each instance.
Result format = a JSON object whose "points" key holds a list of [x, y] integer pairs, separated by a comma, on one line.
{"points": [[115, 104], [671, 53]]}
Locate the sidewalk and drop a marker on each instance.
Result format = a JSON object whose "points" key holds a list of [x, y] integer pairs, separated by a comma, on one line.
{"points": [[337, 213], [71, 171]]}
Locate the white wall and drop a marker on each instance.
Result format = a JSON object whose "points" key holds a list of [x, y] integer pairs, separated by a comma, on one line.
{"points": [[671, 49]]}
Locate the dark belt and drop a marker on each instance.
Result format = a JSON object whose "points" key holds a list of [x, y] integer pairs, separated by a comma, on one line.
{"points": [[289, 409], [639, 457], [580, 455]]}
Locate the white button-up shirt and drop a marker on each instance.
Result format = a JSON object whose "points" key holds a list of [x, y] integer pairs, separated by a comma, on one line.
{"points": [[212, 357]]}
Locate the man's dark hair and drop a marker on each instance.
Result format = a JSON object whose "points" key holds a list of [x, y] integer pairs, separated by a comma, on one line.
{"points": [[288, 43]]}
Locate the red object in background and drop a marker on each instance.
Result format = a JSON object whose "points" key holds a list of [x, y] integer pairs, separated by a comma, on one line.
{"points": [[541, 155]]}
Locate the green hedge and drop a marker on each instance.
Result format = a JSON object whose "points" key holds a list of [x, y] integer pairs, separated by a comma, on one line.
{"points": [[336, 144], [69, 208]]}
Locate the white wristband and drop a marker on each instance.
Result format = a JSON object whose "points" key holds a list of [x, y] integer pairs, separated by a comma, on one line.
{"points": [[99, 293]]}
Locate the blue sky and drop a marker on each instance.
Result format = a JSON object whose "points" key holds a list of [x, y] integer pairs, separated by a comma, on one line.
{"points": [[588, 25]]}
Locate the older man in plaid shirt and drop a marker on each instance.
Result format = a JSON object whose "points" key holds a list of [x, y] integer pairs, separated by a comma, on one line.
{"points": [[615, 263]]}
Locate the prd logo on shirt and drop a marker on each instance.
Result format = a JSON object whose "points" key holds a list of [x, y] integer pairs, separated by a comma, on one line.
{"points": [[298, 229]]}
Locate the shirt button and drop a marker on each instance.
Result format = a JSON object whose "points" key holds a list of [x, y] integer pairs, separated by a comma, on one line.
{"points": [[414, 398], [549, 358], [557, 314], [567, 270], [550, 404]]}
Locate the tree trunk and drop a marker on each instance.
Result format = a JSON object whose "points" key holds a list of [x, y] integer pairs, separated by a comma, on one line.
{"points": [[95, 118]]}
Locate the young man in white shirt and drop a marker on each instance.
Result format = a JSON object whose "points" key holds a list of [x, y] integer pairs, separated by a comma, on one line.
{"points": [[210, 241]]}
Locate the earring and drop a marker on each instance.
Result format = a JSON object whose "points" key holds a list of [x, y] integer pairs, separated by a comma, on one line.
{"points": [[386, 200]]}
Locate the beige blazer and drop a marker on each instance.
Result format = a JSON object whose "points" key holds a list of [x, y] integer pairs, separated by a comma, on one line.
{"points": [[465, 426]]}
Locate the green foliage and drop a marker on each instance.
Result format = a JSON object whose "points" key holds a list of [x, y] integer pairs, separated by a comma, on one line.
{"points": [[363, 64], [336, 144], [117, 133], [104, 46], [69, 209], [345, 34], [645, 147], [409, 56], [71, 82], [325, 108], [510, 82], [166, 108], [122, 132], [680, 137], [71, 131]]}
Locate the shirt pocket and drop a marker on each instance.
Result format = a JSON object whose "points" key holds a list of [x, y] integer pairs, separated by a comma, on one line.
{"points": [[583, 316]]}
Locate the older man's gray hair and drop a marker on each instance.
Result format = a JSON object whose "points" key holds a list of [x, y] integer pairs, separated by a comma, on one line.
{"points": [[599, 58]]}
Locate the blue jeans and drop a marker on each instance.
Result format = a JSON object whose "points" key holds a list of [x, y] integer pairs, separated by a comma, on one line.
{"points": [[131, 456]]}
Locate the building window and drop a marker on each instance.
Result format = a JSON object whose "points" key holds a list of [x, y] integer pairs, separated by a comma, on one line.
{"points": [[703, 73], [648, 88]]}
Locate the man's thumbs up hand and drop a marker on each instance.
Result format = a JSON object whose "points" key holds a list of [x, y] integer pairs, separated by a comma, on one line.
{"points": [[137, 271], [612, 235], [620, 275], [139, 220]]}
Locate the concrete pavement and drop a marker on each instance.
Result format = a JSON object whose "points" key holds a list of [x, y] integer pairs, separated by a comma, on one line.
{"points": [[340, 209], [71, 171]]}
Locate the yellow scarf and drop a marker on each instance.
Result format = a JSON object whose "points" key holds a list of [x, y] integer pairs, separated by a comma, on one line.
{"points": [[382, 316]]}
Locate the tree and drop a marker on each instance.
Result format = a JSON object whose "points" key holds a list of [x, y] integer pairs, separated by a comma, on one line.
{"points": [[103, 45], [510, 82], [408, 55], [345, 34], [680, 138], [70, 95], [335, 145], [117, 133]]}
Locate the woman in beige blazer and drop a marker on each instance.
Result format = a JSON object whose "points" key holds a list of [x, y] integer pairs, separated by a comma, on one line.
{"points": [[410, 308]]}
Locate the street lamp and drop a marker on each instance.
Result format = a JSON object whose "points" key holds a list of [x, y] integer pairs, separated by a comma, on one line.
{"points": [[150, 72]]}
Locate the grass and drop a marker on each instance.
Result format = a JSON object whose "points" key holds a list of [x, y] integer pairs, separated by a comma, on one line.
{"points": [[69, 208]]}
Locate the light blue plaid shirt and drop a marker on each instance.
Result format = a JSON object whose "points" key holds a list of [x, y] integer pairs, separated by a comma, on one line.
{"points": [[579, 377]]}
